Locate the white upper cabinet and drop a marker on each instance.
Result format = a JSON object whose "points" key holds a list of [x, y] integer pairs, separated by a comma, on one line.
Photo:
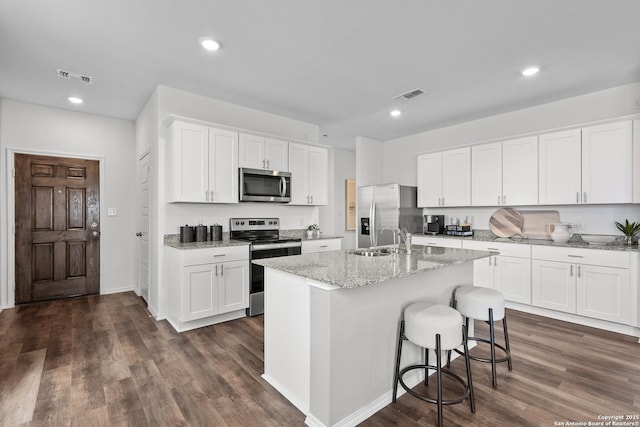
{"points": [[444, 178], [560, 168], [456, 177], [486, 174], [258, 152], [309, 174], [520, 171], [276, 154], [202, 164], [607, 163], [429, 179]]}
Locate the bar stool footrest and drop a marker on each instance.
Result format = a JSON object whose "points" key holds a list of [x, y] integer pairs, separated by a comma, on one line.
{"points": [[484, 359], [444, 371]]}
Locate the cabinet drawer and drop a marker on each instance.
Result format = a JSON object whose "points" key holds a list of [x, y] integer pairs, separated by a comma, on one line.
{"points": [[324, 245], [583, 256], [506, 249], [211, 255], [437, 241]]}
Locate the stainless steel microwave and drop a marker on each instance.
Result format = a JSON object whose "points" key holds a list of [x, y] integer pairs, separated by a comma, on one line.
{"points": [[258, 185]]}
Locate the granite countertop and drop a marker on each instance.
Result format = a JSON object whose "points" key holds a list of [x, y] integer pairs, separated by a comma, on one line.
{"points": [[344, 269], [173, 241], [575, 241]]}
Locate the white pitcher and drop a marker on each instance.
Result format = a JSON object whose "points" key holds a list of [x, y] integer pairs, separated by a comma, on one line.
{"points": [[560, 232]]}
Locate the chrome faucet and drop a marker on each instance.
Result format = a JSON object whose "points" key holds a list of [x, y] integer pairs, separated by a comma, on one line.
{"points": [[404, 235], [394, 231]]}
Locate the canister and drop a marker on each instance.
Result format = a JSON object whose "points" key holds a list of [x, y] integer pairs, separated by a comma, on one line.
{"points": [[187, 234], [201, 233], [215, 233]]}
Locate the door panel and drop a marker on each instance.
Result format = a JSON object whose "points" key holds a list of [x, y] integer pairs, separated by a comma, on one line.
{"points": [[143, 234], [57, 224]]}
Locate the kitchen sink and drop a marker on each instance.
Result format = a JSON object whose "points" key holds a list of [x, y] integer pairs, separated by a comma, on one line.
{"points": [[372, 251]]}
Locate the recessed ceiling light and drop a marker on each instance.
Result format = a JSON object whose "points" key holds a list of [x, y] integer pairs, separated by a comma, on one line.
{"points": [[530, 71], [75, 100], [209, 43], [395, 113]]}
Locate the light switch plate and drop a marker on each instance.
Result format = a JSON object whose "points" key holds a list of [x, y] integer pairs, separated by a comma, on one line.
{"points": [[112, 212]]}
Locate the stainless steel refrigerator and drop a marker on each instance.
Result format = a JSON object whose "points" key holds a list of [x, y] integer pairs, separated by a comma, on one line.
{"points": [[386, 205]]}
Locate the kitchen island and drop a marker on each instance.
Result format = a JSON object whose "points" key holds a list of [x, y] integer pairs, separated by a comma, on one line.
{"points": [[331, 324]]}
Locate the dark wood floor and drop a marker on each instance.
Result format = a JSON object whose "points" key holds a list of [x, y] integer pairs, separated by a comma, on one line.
{"points": [[102, 361]]}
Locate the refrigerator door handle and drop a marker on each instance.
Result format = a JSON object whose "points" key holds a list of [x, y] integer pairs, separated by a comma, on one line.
{"points": [[372, 228]]}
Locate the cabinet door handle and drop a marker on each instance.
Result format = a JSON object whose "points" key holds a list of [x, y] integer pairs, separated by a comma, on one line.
{"points": [[571, 270], [489, 261], [263, 166], [584, 197], [578, 271], [219, 255], [575, 256], [577, 197], [498, 200], [324, 246], [216, 270], [222, 270], [495, 261], [267, 164], [504, 199], [311, 199]]}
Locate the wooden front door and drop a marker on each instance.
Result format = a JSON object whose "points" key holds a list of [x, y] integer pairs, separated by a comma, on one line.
{"points": [[57, 232]]}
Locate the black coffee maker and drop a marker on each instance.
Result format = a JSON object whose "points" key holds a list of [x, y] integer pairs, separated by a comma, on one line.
{"points": [[433, 224]]}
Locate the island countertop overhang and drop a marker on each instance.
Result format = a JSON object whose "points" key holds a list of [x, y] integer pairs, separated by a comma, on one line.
{"points": [[346, 270]]}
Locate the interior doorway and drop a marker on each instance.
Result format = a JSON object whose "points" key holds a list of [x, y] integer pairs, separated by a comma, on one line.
{"points": [[143, 233], [57, 227]]}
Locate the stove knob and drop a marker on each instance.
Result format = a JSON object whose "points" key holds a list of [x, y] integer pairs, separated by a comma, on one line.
{"points": [[237, 222], [242, 223]]}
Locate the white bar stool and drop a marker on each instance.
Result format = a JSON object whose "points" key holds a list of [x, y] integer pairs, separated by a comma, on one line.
{"points": [[439, 328], [487, 305]]}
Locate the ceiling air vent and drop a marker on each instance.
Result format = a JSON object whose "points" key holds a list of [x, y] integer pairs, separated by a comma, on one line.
{"points": [[411, 94], [75, 76]]}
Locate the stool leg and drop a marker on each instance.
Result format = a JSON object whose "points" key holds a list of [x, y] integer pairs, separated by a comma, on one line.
{"points": [[439, 379], [426, 370], [454, 304], [492, 340], [467, 361], [506, 341], [396, 376]]}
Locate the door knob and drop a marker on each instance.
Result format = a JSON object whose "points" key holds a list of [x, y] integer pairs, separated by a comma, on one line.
{"points": [[95, 233]]}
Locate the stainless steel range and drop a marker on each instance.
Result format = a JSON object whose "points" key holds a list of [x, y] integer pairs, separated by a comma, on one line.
{"points": [[264, 235]]}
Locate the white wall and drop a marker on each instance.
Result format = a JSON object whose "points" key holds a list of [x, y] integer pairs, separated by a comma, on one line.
{"points": [[342, 166], [38, 129], [400, 154], [369, 161]]}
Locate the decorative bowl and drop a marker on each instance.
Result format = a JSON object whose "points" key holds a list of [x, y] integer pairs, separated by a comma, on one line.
{"points": [[597, 239]]}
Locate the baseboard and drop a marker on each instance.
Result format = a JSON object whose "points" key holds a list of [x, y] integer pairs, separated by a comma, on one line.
{"points": [[116, 291], [302, 406]]}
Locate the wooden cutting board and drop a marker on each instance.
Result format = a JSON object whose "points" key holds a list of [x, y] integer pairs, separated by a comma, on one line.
{"points": [[506, 222], [536, 223]]}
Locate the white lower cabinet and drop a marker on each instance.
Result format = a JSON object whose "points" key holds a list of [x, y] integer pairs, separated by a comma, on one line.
{"points": [[509, 272], [207, 284], [587, 282], [321, 245]]}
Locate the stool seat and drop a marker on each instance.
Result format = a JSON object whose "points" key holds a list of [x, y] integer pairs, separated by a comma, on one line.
{"points": [[475, 302], [423, 321]]}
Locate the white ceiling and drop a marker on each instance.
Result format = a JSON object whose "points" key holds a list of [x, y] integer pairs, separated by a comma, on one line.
{"points": [[336, 63]]}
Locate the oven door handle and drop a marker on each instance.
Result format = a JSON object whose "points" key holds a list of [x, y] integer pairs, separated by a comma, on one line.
{"points": [[268, 246]]}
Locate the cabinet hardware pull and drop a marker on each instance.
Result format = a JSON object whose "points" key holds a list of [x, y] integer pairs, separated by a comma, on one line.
{"points": [[311, 199], [584, 197], [443, 201], [578, 271], [504, 199], [575, 256], [495, 261], [498, 200], [267, 164], [577, 197], [216, 270], [571, 270], [219, 255], [263, 166], [493, 249], [222, 270], [489, 261], [324, 246]]}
